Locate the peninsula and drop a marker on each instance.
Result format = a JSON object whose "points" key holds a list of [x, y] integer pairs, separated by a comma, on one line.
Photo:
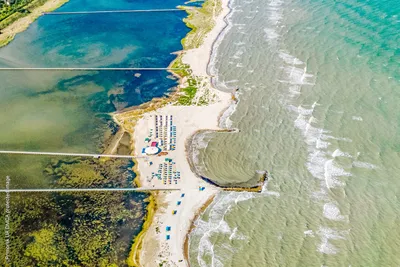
{"points": [[162, 130]]}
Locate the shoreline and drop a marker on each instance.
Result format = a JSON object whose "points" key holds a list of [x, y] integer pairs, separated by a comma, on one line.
{"points": [[9, 32], [192, 226], [155, 248]]}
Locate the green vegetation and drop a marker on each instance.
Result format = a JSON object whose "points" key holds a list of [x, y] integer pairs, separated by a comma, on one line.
{"points": [[201, 21], [189, 93], [17, 10], [76, 229], [178, 64]]}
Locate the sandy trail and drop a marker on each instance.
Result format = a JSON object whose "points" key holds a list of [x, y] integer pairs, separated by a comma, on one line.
{"points": [[188, 120]]}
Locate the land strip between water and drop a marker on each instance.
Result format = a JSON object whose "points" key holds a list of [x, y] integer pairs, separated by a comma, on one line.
{"points": [[195, 105], [19, 22]]}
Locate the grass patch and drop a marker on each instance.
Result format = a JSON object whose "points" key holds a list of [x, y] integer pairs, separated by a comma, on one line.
{"points": [[20, 9], [184, 69], [189, 93], [31, 9], [200, 21]]}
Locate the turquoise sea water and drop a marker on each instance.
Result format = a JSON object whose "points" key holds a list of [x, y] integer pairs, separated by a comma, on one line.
{"points": [[68, 111], [319, 109]]}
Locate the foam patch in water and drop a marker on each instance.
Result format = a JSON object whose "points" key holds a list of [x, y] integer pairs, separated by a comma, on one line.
{"points": [[356, 118], [332, 212], [365, 165], [217, 225], [332, 172], [339, 153], [327, 234]]}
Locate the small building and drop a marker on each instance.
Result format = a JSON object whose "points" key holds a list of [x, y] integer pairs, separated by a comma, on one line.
{"points": [[154, 144], [152, 150]]}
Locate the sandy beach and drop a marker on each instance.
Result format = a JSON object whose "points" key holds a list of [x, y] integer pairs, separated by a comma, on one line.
{"points": [[8, 33], [163, 243]]}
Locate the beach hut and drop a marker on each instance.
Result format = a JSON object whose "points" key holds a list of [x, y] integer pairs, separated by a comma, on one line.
{"points": [[152, 150]]}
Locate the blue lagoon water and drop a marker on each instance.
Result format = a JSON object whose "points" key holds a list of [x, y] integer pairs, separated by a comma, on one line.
{"points": [[68, 110]]}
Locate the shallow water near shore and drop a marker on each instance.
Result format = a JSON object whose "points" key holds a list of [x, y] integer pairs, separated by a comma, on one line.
{"points": [[318, 108], [68, 110]]}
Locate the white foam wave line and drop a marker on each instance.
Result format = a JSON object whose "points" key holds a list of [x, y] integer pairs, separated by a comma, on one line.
{"points": [[198, 143], [265, 191], [332, 173], [321, 195], [339, 153], [364, 165], [225, 121], [274, 17], [319, 164], [327, 234], [231, 81], [309, 233], [289, 59], [214, 55], [217, 224]]}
